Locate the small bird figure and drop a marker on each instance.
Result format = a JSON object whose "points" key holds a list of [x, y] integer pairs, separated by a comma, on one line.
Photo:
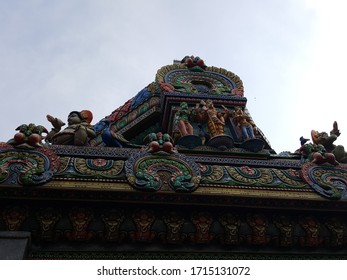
{"points": [[303, 140]]}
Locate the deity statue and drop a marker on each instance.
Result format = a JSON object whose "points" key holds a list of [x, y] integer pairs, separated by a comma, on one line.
{"points": [[206, 112], [245, 123], [78, 132], [181, 120], [327, 141]]}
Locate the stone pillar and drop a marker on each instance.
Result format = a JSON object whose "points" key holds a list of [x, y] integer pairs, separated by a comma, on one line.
{"points": [[14, 245]]}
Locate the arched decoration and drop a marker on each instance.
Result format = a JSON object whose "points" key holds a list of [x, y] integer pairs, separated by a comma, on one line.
{"points": [[199, 82], [27, 167], [212, 81], [153, 172], [327, 180]]}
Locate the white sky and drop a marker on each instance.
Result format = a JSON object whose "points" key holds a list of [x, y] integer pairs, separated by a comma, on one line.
{"points": [[65, 55]]}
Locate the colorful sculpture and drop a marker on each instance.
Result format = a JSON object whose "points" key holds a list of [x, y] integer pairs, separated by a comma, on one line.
{"points": [[312, 236], [28, 136], [78, 132], [143, 221], [194, 63], [205, 112], [322, 138], [159, 142], [181, 120], [109, 137], [244, 123], [317, 154]]}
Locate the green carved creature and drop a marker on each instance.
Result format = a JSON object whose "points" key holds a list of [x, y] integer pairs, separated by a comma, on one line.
{"points": [[323, 138]]}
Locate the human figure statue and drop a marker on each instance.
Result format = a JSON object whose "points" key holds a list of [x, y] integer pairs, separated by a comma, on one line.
{"points": [[181, 120], [245, 123], [206, 112], [78, 132], [327, 141]]}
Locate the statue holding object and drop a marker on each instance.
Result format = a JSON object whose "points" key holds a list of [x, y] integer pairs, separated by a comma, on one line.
{"points": [[245, 123], [327, 141], [183, 131], [181, 120], [205, 112], [78, 132]]}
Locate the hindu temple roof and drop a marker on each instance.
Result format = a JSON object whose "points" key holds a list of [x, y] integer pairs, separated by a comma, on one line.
{"points": [[185, 140]]}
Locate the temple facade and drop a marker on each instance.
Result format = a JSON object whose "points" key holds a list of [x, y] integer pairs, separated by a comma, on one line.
{"points": [[180, 171]]}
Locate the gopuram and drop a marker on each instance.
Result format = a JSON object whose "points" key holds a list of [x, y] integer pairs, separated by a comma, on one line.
{"points": [[180, 171]]}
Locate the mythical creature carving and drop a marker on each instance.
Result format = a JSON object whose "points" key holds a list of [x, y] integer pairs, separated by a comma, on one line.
{"points": [[47, 219], [231, 224], [286, 228], [259, 227], [202, 222], [113, 221], [80, 219], [174, 224], [337, 230], [312, 236], [144, 221], [14, 217]]}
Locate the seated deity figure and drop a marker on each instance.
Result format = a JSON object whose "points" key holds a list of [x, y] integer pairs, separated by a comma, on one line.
{"points": [[78, 132], [327, 140]]}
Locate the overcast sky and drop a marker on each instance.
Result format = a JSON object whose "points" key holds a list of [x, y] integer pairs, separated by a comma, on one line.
{"points": [[65, 55]]}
